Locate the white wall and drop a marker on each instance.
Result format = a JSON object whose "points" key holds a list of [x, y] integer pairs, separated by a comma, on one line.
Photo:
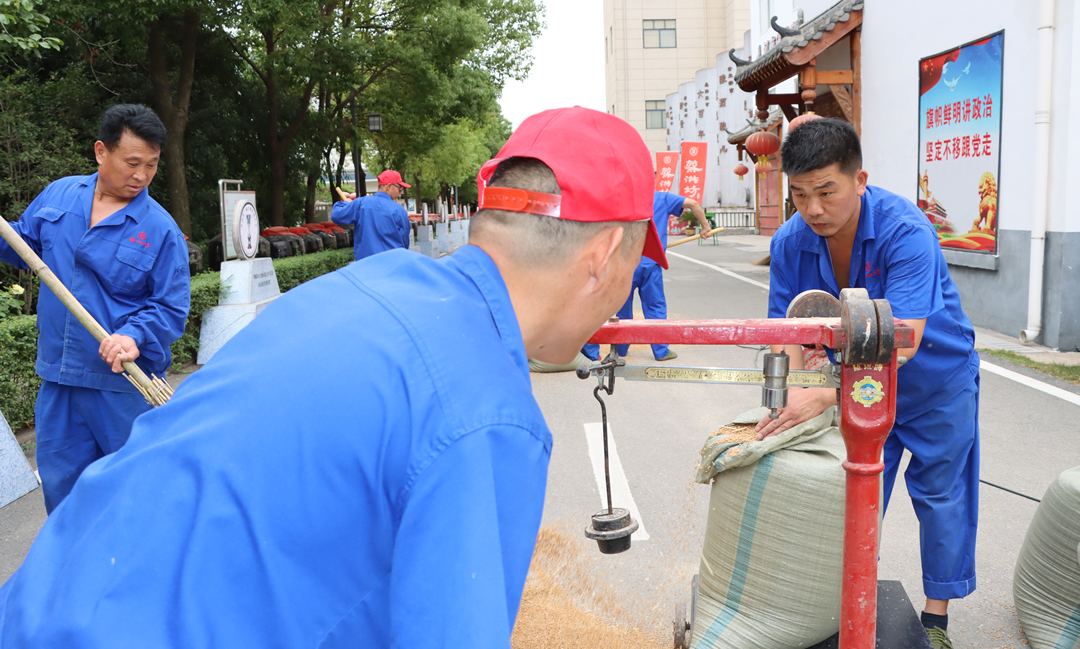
{"points": [[890, 83], [699, 112]]}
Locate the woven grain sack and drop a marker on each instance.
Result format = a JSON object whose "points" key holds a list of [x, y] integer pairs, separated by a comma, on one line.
{"points": [[1046, 583], [772, 559]]}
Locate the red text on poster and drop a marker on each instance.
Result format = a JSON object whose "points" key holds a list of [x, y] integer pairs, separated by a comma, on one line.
{"points": [[666, 162], [692, 171]]}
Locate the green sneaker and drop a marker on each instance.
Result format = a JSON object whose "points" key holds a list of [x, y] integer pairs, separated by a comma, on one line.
{"points": [[939, 638], [671, 355]]}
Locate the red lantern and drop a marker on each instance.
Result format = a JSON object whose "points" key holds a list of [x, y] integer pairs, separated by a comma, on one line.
{"points": [[763, 168], [741, 170], [802, 119], [763, 144]]}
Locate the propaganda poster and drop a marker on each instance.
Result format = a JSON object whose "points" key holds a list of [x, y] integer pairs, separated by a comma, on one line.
{"points": [[960, 143]]}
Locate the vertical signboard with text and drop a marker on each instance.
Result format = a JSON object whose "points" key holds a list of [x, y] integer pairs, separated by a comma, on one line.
{"points": [[692, 171], [960, 143], [666, 163]]}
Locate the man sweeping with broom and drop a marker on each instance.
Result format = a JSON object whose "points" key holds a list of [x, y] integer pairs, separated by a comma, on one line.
{"points": [[124, 259]]}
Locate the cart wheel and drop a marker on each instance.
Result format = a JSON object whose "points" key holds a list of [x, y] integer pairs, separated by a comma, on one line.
{"points": [[681, 627]]}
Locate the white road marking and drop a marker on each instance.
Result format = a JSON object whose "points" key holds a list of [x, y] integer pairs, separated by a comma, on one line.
{"points": [[1031, 383], [620, 488], [990, 367], [1063, 394], [38, 476], [720, 270]]}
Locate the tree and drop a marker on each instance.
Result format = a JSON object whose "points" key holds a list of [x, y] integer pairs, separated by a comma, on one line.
{"points": [[21, 25], [321, 57], [173, 109]]}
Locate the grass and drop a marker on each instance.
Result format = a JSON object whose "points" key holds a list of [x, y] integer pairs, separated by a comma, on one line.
{"points": [[29, 446], [1070, 373]]}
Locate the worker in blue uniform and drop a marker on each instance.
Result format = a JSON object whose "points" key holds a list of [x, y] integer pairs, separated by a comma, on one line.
{"points": [[401, 511], [123, 258], [848, 234], [379, 223], [649, 278]]}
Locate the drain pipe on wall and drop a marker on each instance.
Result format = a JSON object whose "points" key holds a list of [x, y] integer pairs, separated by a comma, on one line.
{"points": [[1040, 214]]}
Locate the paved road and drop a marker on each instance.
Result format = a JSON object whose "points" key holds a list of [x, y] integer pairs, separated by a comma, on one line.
{"points": [[1028, 438]]}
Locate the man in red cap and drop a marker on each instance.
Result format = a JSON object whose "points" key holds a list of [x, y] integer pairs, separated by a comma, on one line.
{"points": [[406, 519], [380, 223]]}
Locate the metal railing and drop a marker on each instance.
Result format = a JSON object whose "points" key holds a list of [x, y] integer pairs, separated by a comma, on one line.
{"points": [[732, 219]]}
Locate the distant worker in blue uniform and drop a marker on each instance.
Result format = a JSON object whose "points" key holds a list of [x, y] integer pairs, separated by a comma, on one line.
{"points": [[403, 516], [848, 234], [123, 258], [380, 223], [649, 278]]}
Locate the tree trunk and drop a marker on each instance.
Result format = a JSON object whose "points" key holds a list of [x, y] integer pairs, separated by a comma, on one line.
{"points": [[174, 110], [309, 200], [341, 162]]}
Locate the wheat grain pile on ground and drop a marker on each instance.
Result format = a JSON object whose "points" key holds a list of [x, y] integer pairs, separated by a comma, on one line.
{"points": [[562, 607]]}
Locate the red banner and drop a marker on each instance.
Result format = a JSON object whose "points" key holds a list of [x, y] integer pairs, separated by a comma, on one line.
{"points": [[666, 163], [692, 176]]}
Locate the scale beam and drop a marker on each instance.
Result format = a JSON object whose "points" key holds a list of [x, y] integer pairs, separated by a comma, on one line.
{"points": [[795, 378]]}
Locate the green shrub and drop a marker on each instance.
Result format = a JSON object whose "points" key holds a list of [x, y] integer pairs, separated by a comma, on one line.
{"points": [[294, 271], [18, 382]]}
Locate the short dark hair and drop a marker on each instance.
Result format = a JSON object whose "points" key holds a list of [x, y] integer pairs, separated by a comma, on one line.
{"points": [[820, 143], [142, 122]]}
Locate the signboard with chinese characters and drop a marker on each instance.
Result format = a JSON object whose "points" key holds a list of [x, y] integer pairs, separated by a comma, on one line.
{"points": [[960, 143], [666, 164], [692, 171]]}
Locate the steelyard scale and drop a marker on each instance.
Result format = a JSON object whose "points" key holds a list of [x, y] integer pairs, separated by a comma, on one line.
{"points": [[864, 337]]}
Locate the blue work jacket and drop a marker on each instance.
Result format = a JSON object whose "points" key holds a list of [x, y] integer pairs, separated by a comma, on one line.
{"points": [[381, 493], [664, 205], [895, 256], [130, 271], [379, 223]]}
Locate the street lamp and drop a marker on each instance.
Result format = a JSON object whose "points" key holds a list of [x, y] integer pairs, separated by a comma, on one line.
{"points": [[374, 126]]}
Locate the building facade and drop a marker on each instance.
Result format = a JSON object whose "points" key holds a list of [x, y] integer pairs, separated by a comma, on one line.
{"points": [[705, 110], [652, 46], [966, 109]]}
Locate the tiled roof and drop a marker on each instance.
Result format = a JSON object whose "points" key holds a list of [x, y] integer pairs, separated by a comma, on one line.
{"points": [[748, 75], [775, 115]]}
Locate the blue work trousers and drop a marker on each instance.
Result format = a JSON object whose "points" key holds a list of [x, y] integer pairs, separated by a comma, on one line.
{"points": [[649, 283], [943, 482], [76, 426]]}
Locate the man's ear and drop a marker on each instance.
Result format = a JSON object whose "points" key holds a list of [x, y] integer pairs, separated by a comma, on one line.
{"points": [[600, 251], [99, 151], [860, 181]]}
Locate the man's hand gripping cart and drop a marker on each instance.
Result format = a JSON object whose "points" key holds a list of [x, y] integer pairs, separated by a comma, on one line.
{"points": [[864, 337]]}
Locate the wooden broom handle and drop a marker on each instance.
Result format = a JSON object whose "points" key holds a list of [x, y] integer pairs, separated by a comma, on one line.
{"points": [[695, 237]]}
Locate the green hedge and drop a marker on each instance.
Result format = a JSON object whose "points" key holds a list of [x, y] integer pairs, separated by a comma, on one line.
{"points": [[18, 382], [294, 271], [18, 335]]}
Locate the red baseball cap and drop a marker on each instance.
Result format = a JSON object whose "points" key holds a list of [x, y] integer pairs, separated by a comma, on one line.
{"points": [[603, 168], [391, 177]]}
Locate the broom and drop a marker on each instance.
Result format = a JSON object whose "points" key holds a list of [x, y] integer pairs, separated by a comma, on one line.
{"points": [[155, 390]]}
